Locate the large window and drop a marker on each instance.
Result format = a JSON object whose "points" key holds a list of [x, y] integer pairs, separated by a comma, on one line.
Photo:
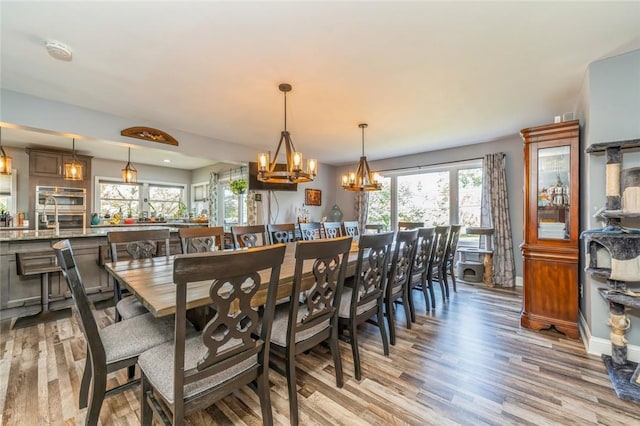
{"points": [[439, 195], [167, 200], [120, 198], [141, 199]]}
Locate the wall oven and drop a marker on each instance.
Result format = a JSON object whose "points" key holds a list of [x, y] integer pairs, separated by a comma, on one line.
{"points": [[69, 203]]}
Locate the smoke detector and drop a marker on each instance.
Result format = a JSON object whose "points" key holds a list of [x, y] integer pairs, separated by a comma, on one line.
{"points": [[58, 50]]}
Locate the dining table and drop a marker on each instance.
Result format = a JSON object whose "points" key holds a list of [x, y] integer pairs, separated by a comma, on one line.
{"points": [[151, 281]]}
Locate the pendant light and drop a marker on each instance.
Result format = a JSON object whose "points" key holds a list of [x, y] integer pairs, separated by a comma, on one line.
{"points": [[5, 160], [362, 179], [72, 169], [271, 172], [129, 173]]}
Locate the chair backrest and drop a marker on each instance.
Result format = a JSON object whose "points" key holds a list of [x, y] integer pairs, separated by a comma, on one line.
{"points": [[332, 229], [374, 252], [140, 244], [310, 231], [401, 263], [350, 228], [282, 233], [247, 236], [374, 227], [201, 239], [452, 242], [423, 250], [229, 335], [321, 300], [439, 246], [403, 226], [66, 261]]}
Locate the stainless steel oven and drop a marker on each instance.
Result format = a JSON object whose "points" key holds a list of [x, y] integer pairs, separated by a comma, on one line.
{"points": [[66, 206]]}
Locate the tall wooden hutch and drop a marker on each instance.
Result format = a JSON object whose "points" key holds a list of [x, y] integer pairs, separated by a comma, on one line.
{"points": [[551, 232]]}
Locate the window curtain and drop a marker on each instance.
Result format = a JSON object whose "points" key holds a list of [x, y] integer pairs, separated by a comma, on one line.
{"points": [[252, 204], [213, 198], [495, 214], [362, 208]]}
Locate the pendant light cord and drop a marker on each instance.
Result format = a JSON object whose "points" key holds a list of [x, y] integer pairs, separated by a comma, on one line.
{"points": [[285, 111]]}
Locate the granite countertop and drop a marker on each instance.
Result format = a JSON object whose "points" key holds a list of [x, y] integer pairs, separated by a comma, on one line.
{"points": [[49, 234]]}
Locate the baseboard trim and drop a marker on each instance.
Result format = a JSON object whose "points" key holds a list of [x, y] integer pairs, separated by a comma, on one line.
{"points": [[598, 346]]}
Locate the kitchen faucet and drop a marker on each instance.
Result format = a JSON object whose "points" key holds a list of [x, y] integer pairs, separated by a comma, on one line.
{"points": [[56, 224]]}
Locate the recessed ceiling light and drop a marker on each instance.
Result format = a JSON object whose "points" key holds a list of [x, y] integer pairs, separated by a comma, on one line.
{"points": [[166, 160], [58, 50]]}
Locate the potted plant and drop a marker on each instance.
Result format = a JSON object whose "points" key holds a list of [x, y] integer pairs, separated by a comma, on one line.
{"points": [[238, 186]]}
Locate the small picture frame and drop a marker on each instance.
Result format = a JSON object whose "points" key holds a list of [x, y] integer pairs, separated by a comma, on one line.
{"points": [[312, 197]]}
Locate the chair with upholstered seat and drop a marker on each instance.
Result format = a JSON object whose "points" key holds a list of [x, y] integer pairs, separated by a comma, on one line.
{"points": [[195, 370], [111, 348], [405, 226], [420, 270], [351, 228], [310, 231], [281, 233], [137, 244], [311, 317], [332, 229], [399, 276], [364, 299], [201, 239], [249, 236]]}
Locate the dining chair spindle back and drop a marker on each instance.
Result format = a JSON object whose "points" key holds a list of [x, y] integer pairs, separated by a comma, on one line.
{"points": [[201, 239]]}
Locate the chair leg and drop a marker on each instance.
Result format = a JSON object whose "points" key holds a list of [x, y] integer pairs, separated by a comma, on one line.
{"points": [[411, 304], [432, 294], [390, 321], [146, 413], [131, 371], [408, 309], [265, 396], [453, 277], [290, 372], [337, 361], [85, 382], [98, 389], [117, 295], [354, 350], [444, 279], [383, 330]]}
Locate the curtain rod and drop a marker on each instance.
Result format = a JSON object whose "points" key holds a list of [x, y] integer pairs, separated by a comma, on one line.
{"points": [[421, 166]]}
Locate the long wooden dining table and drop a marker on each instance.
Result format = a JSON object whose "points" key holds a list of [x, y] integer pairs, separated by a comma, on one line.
{"points": [[151, 281]]}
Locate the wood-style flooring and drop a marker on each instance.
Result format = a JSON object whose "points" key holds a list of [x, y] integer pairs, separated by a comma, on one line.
{"points": [[468, 363]]}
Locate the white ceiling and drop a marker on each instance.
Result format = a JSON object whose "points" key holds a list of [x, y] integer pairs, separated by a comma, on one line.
{"points": [[424, 75]]}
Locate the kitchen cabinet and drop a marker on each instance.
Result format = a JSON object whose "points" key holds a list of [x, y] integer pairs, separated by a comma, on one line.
{"points": [[50, 164], [551, 213]]}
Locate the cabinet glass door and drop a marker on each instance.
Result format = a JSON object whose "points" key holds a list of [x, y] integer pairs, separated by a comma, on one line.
{"points": [[554, 187]]}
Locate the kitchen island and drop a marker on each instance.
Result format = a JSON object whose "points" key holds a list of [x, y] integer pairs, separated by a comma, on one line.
{"points": [[20, 293]]}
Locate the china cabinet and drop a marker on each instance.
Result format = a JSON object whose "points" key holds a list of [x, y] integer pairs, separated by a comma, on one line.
{"points": [[551, 214]]}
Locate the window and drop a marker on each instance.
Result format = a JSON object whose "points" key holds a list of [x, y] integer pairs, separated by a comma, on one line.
{"points": [[123, 198], [166, 201], [141, 199], [438, 195], [200, 199]]}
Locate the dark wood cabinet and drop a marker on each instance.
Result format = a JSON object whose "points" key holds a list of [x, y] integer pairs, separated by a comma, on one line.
{"points": [[551, 214], [51, 163]]}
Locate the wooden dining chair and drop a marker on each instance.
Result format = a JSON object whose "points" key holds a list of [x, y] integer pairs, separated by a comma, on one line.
{"points": [[332, 229], [404, 226], [364, 300], [249, 236], [310, 231], [450, 256], [399, 276], [136, 244], [111, 348], [311, 317], [201, 239], [420, 270], [282, 233], [374, 227], [437, 260], [195, 370], [351, 228]]}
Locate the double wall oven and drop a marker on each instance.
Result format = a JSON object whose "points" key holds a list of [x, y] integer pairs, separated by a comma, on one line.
{"points": [[70, 204]]}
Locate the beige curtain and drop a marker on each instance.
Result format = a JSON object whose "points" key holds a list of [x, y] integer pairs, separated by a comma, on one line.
{"points": [[213, 199], [495, 214], [362, 208]]}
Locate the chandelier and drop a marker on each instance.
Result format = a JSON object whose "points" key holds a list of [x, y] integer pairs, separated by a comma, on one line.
{"points": [[129, 173], [73, 170], [362, 179], [293, 171], [5, 160]]}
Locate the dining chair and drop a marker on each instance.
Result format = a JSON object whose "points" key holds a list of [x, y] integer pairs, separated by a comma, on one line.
{"points": [[374, 227], [450, 256], [310, 231], [438, 258], [420, 270], [201, 239], [136, 244], [332, 229], [247, 236], [311, 316], [404, 226], [364, 299], [111, 348], [194, 370], [351, 228], [399, 275], [282, 233]]}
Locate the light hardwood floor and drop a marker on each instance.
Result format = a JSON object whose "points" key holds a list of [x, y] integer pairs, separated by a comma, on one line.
{"points": [[468, 362]]}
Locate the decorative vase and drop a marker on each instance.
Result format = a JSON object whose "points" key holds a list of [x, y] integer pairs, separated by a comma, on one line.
{"points": [[95, 219], [335, 214]]}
